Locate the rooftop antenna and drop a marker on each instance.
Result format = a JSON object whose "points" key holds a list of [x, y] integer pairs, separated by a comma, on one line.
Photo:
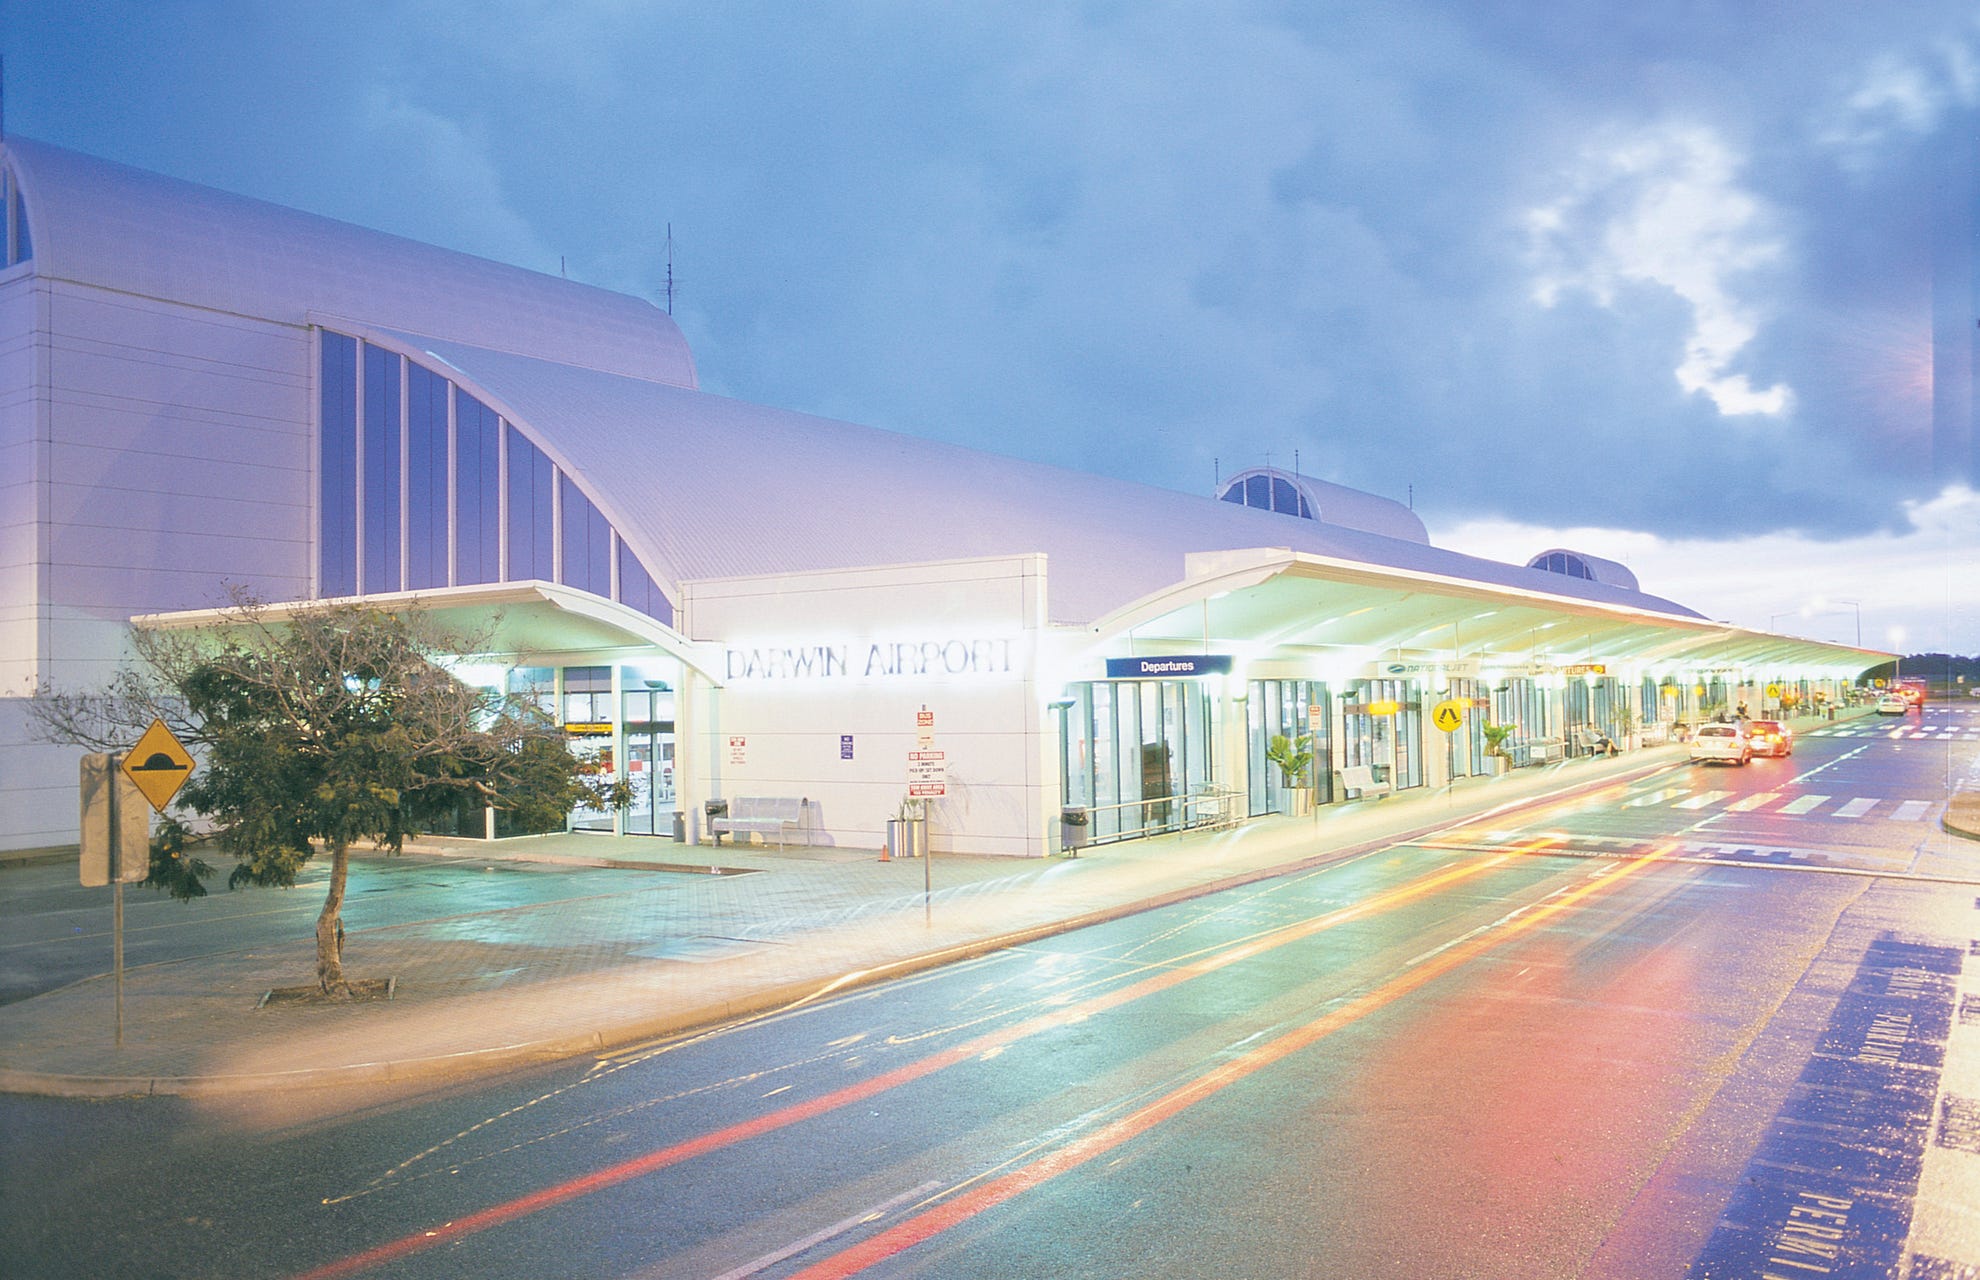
{"points": [[1295, 462], [1412, 497], [560, 267], [670, 268]]}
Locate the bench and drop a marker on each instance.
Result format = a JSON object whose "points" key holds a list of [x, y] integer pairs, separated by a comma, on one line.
{"points": [[1361, 777], [765, 815], [1542, 750], [1589, 740]]}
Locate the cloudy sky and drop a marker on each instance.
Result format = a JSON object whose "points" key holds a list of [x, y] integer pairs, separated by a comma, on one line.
{"points": [[1655, 280]]}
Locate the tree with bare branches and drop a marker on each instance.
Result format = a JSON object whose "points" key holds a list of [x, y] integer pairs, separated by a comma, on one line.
{"points": [[317, 727]]}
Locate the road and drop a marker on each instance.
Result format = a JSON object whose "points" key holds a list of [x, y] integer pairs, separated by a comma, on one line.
{"points": [[1700, 1025]]}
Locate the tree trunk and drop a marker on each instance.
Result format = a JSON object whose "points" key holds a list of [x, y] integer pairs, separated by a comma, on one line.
{"points": [[330, 927]]}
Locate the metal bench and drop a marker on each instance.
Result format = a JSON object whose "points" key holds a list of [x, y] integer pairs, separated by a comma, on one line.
{"points": [[762, 815], [1361, 777]]}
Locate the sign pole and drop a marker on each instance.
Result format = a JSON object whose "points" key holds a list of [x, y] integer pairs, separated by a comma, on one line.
{"points": [[116, 893]]}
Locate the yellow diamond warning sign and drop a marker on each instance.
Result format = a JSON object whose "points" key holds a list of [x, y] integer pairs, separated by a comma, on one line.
{"points": [[159, 764]]}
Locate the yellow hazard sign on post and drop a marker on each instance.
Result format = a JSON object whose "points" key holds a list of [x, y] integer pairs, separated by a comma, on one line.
{"points": [[159, 764], [1448, 715]]}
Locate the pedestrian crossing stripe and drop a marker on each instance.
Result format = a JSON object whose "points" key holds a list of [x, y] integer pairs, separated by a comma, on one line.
{"points": [[1800, 807]]}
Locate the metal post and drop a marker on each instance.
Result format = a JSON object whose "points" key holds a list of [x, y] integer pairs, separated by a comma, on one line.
{"points": [[116, 894]]}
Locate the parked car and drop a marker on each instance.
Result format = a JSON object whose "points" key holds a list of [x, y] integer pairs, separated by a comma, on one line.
{"points": [[1892, 704], [1720, 744], [1770, 738]]}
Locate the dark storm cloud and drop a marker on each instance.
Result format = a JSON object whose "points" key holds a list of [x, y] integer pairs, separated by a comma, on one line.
{"points": [[1567, 263]]}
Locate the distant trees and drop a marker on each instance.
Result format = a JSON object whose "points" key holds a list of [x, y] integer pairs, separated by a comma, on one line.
{"points": [[316, 728], [1940, 669]]}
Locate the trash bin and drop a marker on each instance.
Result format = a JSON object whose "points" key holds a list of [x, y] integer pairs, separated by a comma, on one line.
{"points": [[715, 809], [1072, 829], [908, 837], [680, 827]]}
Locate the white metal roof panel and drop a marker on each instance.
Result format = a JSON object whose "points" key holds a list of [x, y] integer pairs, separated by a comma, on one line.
{"points": [[109, 225], [709, 487]]}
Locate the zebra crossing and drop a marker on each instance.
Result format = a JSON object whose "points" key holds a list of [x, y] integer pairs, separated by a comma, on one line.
{"points": [[1943, 724], [1781, 804]]}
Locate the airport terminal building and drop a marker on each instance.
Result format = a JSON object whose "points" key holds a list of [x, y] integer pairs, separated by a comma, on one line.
{"points": [[728, 603]]}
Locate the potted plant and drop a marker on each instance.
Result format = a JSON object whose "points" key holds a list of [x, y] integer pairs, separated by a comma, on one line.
{"points": [[1293, 755], [1626, 727], [1495, 745]]}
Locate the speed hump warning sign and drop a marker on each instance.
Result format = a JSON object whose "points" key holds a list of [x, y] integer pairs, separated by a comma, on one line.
{"points": [[1448, 715], [159, 764]]}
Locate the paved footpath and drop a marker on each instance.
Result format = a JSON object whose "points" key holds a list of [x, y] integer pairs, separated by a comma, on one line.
{"points": [[685, 945]]}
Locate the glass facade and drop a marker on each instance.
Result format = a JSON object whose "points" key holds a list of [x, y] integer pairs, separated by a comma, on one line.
{"points": [[337, 555], [1269, 493], [477, 491], [1383, 727], [648, 725], [1294, 708], [1563, 562], [532, 512], [1133, 749], [426, 479], [18, 245], [1467, 744], [414, 475], [384, 440], [587, 556]]}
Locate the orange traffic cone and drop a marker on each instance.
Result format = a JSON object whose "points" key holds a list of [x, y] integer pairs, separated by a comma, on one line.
{"points": [[886, 852]]}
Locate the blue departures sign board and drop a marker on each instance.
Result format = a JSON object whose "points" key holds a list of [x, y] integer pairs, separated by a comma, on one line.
{"points": [[1169, 665]]}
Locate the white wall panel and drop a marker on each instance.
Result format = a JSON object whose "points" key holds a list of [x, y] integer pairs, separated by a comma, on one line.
{"points": [[957, 639], [37, 785]]}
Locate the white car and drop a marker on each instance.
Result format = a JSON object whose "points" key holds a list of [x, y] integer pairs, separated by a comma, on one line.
{"points": [[1893, 704], [1720, 744]]}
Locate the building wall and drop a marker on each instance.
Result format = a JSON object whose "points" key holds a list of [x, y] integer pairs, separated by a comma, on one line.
{"points": [[810, 661], [21, 389], [173, 458]]}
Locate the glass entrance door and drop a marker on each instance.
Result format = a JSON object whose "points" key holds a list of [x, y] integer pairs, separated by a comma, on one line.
{"points": [[649, 731]]}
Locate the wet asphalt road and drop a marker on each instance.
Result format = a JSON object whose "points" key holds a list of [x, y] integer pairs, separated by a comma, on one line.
{"points": [[1648, 1035]]}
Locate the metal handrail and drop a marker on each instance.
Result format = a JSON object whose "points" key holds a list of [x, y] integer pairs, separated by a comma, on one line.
{"points": [[1223, 796]]}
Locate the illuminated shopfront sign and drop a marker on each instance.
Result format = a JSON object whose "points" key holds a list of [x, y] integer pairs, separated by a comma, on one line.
{"points": [[870, 660]]}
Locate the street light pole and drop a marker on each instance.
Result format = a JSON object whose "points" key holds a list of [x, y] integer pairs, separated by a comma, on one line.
{"points": [[1856, 606]]}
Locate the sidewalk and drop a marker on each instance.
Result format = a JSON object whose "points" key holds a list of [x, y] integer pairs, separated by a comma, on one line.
{"points": [[679, 948]]}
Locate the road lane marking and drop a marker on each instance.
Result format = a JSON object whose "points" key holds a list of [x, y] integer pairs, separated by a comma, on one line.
{"points": [[812, 1241], [1747, 804], [1911, 810], [932, 1222], [1803, 804], [1858, 807], [1703, 799], [1213, 959]]}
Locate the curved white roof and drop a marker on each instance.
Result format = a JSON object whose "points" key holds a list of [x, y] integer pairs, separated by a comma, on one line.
{"points": [[1338, 504], [708, 487], [109, 225], [1609, 571], [700, 486]]}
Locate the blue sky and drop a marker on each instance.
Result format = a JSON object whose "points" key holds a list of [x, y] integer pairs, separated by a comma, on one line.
{"points": [[1654, 279]]}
